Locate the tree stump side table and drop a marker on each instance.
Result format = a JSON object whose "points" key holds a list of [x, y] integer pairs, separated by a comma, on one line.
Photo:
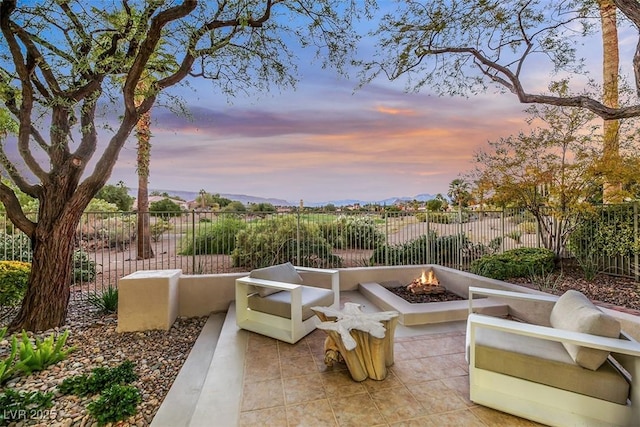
{"points": [[363, 340]]}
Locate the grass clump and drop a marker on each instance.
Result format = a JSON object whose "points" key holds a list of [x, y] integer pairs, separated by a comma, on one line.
{"points": [[106, 302]]}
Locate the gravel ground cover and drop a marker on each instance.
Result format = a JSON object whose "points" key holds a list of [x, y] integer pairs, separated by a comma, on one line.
{"points": [[157, 355]]}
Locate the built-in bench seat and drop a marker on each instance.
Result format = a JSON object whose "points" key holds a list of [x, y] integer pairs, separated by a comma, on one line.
{"points": [[576, 367]]}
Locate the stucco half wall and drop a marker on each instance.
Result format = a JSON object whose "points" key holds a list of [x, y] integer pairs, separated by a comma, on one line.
{"points": [[199, 295]]}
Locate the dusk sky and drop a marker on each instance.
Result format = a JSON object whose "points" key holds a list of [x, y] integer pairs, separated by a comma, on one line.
{"points": [[325, 140]]}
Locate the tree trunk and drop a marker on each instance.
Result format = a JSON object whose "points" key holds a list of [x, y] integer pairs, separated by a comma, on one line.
{"points": [[143, 133], [51, 275], [611, 128]]}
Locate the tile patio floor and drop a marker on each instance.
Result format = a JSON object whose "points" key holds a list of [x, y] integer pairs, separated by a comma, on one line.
{"points": [[428, 385]]}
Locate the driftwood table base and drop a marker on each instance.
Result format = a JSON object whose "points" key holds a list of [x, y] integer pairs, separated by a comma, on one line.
{"points": [[364, 341]]}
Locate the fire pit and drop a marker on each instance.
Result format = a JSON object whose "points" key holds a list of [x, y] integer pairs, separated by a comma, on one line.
{"points": [[424, 289], [426, 284], [433, 302]]}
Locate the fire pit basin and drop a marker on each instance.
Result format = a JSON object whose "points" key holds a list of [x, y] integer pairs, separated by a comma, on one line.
{"points": [[455, 281]]}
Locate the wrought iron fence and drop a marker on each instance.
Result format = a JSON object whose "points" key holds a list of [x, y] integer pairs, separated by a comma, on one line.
{"points": [[201, 242]]}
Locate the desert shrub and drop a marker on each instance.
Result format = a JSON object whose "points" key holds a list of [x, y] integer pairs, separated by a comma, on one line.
{"points": [[115, 404], [15, 247], [84, 269], [14, 276], [100, 208], [520, 217], [442, 217], [495, 244], [158, 228], [421, 217], [352, 232], [518, 262], [213, 237], [272, 241], [515, 235], [605, 233], [447, 217], [165, 208], [528, 227], [608, 231], [426, 249], [116, 233], [100, 379]]}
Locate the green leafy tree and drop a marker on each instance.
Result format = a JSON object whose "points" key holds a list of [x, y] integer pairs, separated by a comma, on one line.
{"points": [[65, 58], [262, 208], [118, 195], [235, 206], [434, 205], [544, 171], [165, 207], [476, 44]]}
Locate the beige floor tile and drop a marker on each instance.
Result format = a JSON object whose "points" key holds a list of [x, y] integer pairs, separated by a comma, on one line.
{"points": [[458, 419], [427, 369], [261, 369], [322, 367], [356, 411], [401, 351], [271, 417], [397, 404], [461, 386], [299, 349], [256, 341], [340, 383], [390, 381], [494, 418], [304, 388], [316, 413], [297, 366], [436, 397], [416, 422], [261, 395]]}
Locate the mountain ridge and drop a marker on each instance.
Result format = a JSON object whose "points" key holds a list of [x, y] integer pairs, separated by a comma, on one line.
{"points": [[246, 199]]}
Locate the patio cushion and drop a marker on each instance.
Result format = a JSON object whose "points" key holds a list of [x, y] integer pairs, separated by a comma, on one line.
{"points": [[574, 312], [546, 362], [286, 273], [279, 303]]}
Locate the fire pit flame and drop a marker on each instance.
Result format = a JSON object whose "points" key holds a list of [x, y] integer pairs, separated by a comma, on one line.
{"points": [[429, 279], [427, 283]]}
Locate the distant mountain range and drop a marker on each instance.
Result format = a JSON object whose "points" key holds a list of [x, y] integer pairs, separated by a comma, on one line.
{"points": [[192, 195]]}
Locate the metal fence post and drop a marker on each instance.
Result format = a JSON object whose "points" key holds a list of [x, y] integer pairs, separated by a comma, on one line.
{"points": [[298, 259], [193, 241], [636, 241], [502, 225], [460, 231], [386, 233]]}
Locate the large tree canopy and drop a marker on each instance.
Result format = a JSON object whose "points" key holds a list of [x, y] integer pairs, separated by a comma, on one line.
{"points": [[463, 47], [60, 60]]}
